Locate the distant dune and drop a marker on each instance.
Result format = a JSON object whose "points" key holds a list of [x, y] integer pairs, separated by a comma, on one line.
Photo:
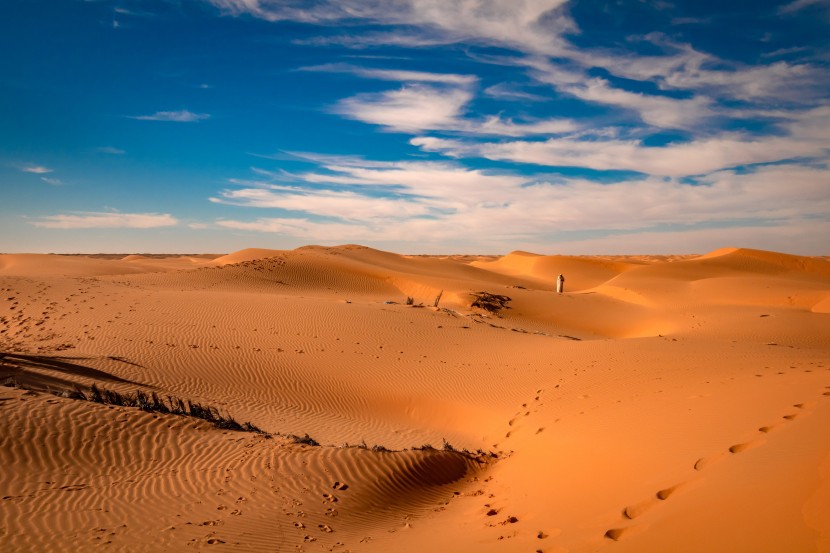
{"points": [[661, 403]]}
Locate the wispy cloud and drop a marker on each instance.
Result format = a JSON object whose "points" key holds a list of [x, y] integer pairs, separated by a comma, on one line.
{"points": [[393, 74], [345, 205], [183, 116], [805, 136], [798, 5], [110, 150], [52, 181], [505, 91], [416, 108], [36, 169], [445, 200], [529, 25], [673, 160], [658, 111], [105, 220]]}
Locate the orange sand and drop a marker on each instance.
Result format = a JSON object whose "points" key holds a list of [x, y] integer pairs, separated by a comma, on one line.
{"points": [[661, 404]]}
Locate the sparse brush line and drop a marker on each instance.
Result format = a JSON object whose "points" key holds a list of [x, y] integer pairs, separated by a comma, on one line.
{"points": [[173, 405]]}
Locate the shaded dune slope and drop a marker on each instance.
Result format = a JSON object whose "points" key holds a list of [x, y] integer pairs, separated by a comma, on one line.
{"points": [[223, 486]]}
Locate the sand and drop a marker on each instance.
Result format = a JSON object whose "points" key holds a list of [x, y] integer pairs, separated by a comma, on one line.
{"points": [[662, 403]]}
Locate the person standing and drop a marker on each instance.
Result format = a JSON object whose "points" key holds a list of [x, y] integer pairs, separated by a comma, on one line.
{"points": [[560, 283]]}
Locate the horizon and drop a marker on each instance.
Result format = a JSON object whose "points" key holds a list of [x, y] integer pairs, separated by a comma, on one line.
{"points": [[547, 126], [413, 254]]}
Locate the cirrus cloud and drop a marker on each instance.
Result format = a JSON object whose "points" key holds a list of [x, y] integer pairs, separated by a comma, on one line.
{"points": [[182, 116], [106, 220]]}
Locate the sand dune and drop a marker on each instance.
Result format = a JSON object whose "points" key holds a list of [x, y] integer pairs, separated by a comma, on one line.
{"points": [[582, 272], [673, 403]]}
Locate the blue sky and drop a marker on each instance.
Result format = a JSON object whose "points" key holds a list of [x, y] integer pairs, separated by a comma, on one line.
{"points": [[418, 126]]}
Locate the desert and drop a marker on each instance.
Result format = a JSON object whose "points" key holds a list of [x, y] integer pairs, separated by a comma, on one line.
{"points": [[358, 401]]}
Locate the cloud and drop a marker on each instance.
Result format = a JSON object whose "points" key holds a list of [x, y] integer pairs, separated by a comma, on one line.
{"points": [[415, 108], [420, 203], [394, 74], [658, 111], [504, 91], [798, 5], [327, 203], [808, 136], [409, 109], [529, 25], [36, 169], [182, 116], [53, 182], [110, 150], [101, 220]]}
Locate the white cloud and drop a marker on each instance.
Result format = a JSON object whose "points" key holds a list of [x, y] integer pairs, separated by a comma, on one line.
{"points": [[416, 108], [780, 81], [394, 74], [327, 203], [36, 169], [658, 111], [529, 25], [442, 181], [408, 109], [673, 160], [53, 182], [449, 203], [182, 116], [507, 127], [103, 220]]}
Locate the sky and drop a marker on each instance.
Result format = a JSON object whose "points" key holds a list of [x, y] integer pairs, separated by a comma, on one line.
{"points": [[415, 126]]}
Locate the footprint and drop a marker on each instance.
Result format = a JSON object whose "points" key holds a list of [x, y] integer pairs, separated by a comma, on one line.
{"points": [[664, 494], [790, 417], [704, 462], [330, 498], [615, 534], [633, 511], [739, 448], [325, 528], [340, 486], [769, 428]]}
